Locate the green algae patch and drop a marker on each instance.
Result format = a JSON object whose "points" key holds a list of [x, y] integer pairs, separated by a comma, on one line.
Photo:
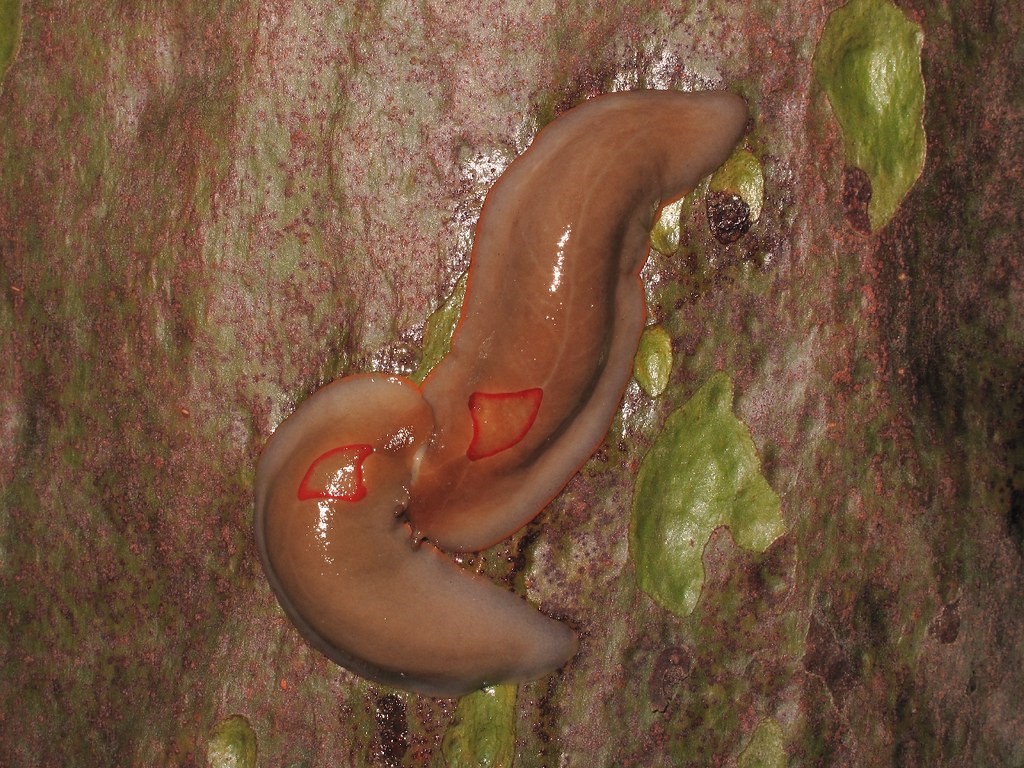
{"points": [[233, 744], [666, 230], [741, 175], [10, 33], [483, 732], [766, 749], [702, 472], [653, 362], [868, 62], [438, 330]]}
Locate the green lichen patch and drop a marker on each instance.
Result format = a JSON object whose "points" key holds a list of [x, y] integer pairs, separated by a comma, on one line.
{"points": [[702, 472], [665, 232], [766, 748], [232, 745], [868, 61], [743, 176], [483, 731], [438, 330], [10, 33], [653, 362]]}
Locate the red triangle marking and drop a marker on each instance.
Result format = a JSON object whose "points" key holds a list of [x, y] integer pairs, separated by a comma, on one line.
{"points": [[501, 419], [336, 474]]}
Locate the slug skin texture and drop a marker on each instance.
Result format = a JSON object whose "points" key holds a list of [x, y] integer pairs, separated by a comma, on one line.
{"points": [[358, 488]]}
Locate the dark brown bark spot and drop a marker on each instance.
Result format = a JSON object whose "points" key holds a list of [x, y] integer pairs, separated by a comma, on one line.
{"points": [[728, 216], [392, 740]]}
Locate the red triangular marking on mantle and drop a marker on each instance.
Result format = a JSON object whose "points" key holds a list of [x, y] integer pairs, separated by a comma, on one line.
{"points": [[501, 419], [336, 474]]}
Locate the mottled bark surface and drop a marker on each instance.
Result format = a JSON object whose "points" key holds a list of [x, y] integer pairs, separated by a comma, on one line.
{"points": [[209, 209]]}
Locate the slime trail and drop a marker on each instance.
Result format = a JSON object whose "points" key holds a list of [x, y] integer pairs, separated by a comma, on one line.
{"points": [[540, 358]]}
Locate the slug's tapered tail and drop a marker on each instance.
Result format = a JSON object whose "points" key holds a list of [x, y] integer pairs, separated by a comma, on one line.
{"points": [[539, 361]]}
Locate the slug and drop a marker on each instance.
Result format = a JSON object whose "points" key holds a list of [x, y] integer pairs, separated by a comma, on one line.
{"points": [[329, 489], [359, 488]]}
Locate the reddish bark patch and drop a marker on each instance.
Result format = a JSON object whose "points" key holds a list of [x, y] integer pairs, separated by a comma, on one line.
{"points": [[827, 659], [671, 668], [856, 196], [946, 626]]}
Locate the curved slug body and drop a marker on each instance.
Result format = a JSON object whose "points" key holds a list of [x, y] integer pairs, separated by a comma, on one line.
{"points": [[344, 566], [538, 364]]}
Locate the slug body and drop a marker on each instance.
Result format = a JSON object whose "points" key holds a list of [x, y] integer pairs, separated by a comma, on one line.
{"points": [[554, 302], [344, 567], [368, 467]]}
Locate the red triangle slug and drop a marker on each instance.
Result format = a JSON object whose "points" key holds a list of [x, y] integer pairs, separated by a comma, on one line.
{"points": [[363, 486]]}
